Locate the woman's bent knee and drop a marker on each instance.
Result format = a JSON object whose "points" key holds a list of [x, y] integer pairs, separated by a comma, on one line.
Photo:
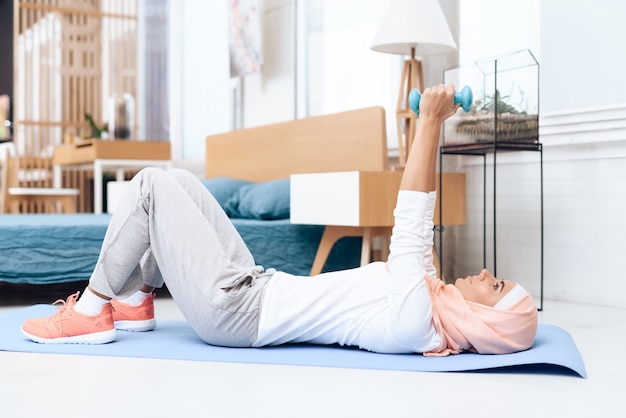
{"points": [[149, 172], [181, 175]]}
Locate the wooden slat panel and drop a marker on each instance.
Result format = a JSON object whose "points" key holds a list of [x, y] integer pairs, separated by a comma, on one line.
{"points": [[61, 74]]}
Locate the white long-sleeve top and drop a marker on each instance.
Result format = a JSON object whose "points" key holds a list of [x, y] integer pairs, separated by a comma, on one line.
{"points": [[376, 308]]}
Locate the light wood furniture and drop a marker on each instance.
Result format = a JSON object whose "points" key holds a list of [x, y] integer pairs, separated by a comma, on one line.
{"points": [[453, 196], [24, 187], [361, 204], [345, 141], [353, 140], [406, 120], [117, 155], [350, 204]]}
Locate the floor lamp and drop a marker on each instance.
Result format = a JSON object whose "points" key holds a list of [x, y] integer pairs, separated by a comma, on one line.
{"points": [[414, 28]]}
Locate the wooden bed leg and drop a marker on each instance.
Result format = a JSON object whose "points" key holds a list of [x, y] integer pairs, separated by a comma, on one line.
{"points": [[331, 235], [384, 247], [369, 233], [366, 246]]}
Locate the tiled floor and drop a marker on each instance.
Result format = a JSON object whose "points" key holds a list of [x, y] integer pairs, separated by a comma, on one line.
{"points": [[80, 386]]}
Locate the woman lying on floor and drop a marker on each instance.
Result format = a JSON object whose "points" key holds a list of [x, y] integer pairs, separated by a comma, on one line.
{"points": [[169, 228]]}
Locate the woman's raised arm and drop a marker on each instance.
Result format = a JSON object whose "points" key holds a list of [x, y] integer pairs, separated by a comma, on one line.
{"points": [[436, 105]]}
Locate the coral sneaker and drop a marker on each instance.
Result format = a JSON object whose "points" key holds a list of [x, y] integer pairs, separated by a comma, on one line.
{"points": [[134, 318], [68, 326]]}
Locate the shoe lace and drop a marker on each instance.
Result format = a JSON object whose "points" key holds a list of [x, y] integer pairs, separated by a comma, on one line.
{"points": [[65, 304]]}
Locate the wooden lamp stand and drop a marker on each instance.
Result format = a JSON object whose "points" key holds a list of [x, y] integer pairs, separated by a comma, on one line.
{"points": [[406, 120]]}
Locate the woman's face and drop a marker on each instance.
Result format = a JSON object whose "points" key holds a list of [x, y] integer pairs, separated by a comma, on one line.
{"points": [[483, 288]]}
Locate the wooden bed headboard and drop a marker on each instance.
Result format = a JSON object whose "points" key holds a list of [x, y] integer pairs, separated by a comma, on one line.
{"points": [[346, 141]]}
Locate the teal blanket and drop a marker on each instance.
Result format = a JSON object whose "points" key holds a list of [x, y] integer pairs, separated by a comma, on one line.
{"points": [[45, 249]]}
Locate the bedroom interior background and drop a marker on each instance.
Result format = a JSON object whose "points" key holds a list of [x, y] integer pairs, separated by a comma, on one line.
{"points": [[587, 134]]}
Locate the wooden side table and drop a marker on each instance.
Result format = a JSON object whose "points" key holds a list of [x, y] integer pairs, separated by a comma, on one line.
{"points": [[105, 154], [361, 204], [352, 203]]}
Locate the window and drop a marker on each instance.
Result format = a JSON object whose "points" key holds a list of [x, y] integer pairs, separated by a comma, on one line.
{"points": [[340, 70]]}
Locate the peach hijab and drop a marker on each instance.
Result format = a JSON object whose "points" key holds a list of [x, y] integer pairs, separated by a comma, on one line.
{"points": [[470, 326]]}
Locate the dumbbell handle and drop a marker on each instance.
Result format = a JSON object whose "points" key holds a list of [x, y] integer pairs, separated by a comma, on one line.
{"points": [[465, 98]]}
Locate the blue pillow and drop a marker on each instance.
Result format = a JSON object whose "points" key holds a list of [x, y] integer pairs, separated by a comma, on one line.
{"points": [[223, 188], [265, 201]]}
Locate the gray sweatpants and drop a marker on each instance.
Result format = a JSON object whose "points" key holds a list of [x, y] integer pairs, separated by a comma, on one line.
{"points": [[169, 228]]}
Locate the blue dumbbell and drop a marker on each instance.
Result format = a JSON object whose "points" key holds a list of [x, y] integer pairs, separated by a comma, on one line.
{"points": [[465, 98]]}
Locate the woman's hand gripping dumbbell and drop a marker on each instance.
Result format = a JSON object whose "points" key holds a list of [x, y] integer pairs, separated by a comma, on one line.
{"points": [[465, 98]]}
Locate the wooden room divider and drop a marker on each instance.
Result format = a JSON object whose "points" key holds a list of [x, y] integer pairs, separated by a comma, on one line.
{"points": [[70, 57]]}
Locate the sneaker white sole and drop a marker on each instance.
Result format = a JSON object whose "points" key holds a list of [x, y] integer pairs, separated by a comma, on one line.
{"points": [[93, 338], [136, 326]]}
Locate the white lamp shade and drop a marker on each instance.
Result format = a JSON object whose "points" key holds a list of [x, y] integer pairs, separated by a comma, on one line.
{"points": [[418, 24]]}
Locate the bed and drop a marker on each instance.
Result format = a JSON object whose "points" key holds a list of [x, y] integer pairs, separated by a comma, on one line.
{"points": [[265, 157], [248, 171], [49, 249]]}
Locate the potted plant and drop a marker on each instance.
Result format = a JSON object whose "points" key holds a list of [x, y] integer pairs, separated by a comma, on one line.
{"points": [[495, 119], [95, 131]]}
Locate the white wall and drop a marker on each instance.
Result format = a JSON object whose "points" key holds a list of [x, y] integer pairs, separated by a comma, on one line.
{"points": [[200, 92], [269, 96], [583, 129], [582, 54]]}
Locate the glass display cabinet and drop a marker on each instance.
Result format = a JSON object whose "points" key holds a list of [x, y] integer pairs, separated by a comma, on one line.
{"points": [[505, 111]]}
